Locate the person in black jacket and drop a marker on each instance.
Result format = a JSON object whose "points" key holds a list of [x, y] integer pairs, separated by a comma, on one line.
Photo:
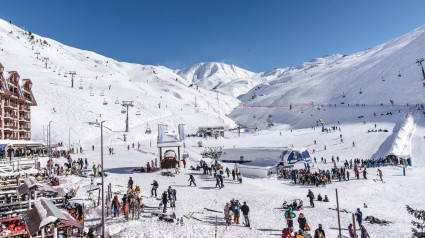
{"points": [[192, 180], [154, 187], [130, 183], [164, 201], [302, 221], [245, 212], [310, 195]]}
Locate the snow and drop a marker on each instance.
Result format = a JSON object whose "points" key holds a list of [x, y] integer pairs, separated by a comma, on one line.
{"points": [[164, 96]]}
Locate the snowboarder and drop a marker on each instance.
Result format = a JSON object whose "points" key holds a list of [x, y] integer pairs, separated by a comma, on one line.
{"points": [[359, 216], [289, 216], [192, 180], [245, 212], [154, 188]]}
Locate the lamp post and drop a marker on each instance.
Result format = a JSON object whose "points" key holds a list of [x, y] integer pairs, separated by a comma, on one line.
{"points": [[103, 187], [50, 143]]}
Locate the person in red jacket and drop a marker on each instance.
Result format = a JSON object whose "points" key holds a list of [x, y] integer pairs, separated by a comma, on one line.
{"points": [[287, 232], [184, 163]]}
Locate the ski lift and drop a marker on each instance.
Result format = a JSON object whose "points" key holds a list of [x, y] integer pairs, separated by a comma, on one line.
{"points": [[117, 101], [65, 76], [185, 155], [148, 129], [105, 102], [360, 91], [81, 80], [81, 86], [343, 94], [123, 110], [91, 87], [138, 113], [399, 74], [102, 93], [91, 93]]}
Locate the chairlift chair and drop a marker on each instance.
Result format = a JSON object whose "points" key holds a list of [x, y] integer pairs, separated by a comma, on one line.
{"points": [[360, 91], [123, 110], [117, 101], [81, 80], [148, 129], [399, 74], [138, 113], [81, 86], [91, 94], [105, 102], [102, 93], [185, 155]]}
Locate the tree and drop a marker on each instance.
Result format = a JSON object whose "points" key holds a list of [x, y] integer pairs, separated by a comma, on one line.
{"points": [[419, 227]]}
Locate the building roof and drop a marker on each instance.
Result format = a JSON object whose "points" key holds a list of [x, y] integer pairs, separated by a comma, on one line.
{"points": [[45, 213], [170, 140], [253, 156], [31, 183]]}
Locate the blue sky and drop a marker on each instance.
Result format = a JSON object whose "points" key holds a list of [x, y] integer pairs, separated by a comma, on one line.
{"points": [[255, 35]]}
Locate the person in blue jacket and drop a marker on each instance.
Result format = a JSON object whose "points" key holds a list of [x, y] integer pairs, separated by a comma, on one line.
{"points": [[359, 216]]}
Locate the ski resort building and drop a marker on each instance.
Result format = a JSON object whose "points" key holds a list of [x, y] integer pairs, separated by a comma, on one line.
{"points": [[262, 162], [15, 108]]}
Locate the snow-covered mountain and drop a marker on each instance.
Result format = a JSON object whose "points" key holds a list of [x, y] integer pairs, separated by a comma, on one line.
{"points": [[159, 95], [224, 78], [376, 76]]}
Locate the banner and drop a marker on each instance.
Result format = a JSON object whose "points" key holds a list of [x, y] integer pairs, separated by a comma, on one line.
{"points": [[161, 133], [181, 132]]}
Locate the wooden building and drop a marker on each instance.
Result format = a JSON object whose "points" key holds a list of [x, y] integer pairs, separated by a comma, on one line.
{"points": [[15, 109]]}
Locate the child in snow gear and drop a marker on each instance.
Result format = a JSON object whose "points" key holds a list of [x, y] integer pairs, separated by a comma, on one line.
{"points": [[245, 212], [289, 216]]}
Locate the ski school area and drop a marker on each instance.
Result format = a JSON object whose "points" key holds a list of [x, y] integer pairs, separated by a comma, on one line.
{"points": [[236, 185]]}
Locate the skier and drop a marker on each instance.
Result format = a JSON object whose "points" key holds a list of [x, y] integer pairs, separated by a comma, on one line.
{"points": [[319, 232], [124, 204], [310, 195], [92, 147], [364, 173], [128, 147], [221, 180], [359, 216], [364, 233], [130, 183], [233, 174], [192, 180], [289, 216], [245, 212], [228, 172], [217, 183], [154, 187], [184, 163]]}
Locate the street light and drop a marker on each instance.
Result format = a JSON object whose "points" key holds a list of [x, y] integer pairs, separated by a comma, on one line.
{"points": [[50, 145], [103, 187]]}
